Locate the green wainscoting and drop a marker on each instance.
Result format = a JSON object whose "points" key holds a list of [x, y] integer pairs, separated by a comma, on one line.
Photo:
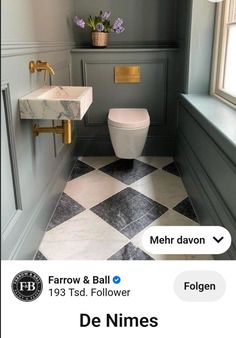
{"points": [[156, 92]]}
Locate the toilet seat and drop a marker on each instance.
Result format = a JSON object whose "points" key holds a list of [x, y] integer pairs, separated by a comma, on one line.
{"points": [[128, 118]]}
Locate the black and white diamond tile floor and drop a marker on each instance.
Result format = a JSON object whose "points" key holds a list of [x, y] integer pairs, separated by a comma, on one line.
{"points": [[185, 208], [130, 253], [79, 169], [108, 203], [128, 171], [129, 211], [66, 208], [171, 168], [40, 257]]}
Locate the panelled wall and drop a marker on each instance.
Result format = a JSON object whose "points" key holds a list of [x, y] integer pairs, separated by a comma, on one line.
{"points": [[206, 156], [33, 170], [172, 60], [206, 142], [154, 39], [155, 92]]}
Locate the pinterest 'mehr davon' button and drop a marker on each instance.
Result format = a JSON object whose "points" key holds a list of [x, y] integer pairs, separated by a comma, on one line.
{"points": [[164, 240]]}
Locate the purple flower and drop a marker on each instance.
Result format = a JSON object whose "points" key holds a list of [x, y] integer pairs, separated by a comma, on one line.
{"points": [[117, 24], [106, 15], [79, 22], [99, 27], [119, 29]]}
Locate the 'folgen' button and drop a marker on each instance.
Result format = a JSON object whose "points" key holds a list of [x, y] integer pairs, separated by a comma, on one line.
{"points": [[200, 286]]}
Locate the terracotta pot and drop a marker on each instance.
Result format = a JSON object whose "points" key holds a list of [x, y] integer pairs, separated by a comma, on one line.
{"points": [[99, 39]]}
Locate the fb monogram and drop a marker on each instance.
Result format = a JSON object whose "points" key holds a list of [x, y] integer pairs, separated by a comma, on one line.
{"points": [[27, 286]]}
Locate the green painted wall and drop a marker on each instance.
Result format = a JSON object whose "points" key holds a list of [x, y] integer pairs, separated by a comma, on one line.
{"points": [[34, 170], [206, 143], [156, 92], [156, 38], [200, 46], [206, 156], [146, 21]]}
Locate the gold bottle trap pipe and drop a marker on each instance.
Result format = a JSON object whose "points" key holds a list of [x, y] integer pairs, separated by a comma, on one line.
{"points": [[64, 130]]}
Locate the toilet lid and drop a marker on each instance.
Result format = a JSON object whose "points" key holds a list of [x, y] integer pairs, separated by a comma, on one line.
{"points": [[128, 117]]}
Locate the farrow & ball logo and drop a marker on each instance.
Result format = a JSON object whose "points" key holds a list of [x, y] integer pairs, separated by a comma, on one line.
{"points": [[27, 286]]}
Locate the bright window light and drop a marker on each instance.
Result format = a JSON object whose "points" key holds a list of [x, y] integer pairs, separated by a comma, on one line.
{"points": [[224, 68], [230, 63]]}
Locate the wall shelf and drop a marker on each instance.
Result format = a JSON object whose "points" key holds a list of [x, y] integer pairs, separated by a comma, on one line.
{"points": [[122, 50]]}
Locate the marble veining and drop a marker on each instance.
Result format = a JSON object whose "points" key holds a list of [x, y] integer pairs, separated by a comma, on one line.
{"points": [[93, 188], [163, 187], [131, 253], [56, 103], [84, 236], [117, 214], [60, 110], [129, 211]]}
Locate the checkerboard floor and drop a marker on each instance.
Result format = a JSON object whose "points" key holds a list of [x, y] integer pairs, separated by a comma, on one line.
{"points": [[108, 203]]}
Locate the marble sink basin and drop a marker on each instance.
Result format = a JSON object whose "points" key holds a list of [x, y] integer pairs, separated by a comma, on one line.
{"points": [[56, 103]]}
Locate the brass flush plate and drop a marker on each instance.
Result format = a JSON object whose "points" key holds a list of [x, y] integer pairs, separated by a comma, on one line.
{"points": [[127, 74]]}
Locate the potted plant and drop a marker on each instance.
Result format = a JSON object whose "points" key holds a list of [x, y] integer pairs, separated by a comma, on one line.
{"points": [[100, 27]]}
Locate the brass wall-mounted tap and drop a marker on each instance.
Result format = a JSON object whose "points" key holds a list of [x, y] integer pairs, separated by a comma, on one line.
{"points": [[39, 66]]}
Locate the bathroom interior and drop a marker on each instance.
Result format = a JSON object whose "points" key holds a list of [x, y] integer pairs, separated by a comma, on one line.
{"points": [[85, 181]]}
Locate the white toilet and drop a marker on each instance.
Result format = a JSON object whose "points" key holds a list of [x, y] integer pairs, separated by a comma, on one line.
{"points": [[128, 129]]}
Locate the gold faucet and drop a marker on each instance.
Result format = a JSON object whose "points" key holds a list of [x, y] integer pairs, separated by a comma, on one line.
{"points": [[39, 66]]}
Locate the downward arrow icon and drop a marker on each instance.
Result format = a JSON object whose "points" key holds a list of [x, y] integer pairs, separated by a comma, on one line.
{"points": [[218, 240]]}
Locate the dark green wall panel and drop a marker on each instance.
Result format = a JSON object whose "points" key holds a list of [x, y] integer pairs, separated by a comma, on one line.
{"points": [[156, 92], [100, 75], [209, 174]]}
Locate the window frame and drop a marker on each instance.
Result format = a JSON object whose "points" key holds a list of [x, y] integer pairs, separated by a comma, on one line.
{"points": [[219, 54]]}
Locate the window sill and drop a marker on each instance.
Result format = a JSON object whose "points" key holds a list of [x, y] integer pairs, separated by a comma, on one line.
{"points": [[224, 100], [216, 117]]}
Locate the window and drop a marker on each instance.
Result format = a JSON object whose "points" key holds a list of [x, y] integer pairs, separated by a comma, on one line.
{"points": [[224, 68]]}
